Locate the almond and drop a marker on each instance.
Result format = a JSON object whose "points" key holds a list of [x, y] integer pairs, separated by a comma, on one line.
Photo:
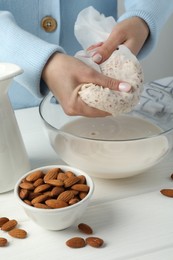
{"points": [[85, 228], [34, 176], [18, 233], [28, 202], [54, 204], [56, 191], [40, 198], [80, 187], [3, 220], [48, 193], [9, 225], [94, 241], [75, 192], [3, 241], [82, 179], [33, 195], [62, 176], [73, 201], [167, 192], [70, 181], [23, 193], [57, 183], [66, 196], [26, 185], [42, 188], [69, 174], [51, 174], [38, 182], [76, 242], [41, 206], [82, 195]]}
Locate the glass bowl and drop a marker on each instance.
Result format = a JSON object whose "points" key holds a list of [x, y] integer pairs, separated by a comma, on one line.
{"points": [[113, 147]]}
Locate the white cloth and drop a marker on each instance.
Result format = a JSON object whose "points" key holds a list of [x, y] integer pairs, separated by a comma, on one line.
{"points": [[92, 27]]}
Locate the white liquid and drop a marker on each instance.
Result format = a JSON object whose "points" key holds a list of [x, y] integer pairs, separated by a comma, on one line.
{"points": [[112, 158], [112, 128]]}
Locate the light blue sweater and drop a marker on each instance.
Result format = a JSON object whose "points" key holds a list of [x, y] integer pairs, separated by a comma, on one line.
{"points": [[24, 42]]}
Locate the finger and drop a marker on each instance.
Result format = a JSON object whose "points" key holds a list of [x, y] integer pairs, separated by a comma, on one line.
{"points": [[104, 51], [113, 84], [88, 111], [93, 51], [94, 46]]}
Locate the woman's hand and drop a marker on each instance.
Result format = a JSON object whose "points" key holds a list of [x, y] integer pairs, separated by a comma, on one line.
{"points": [[63, 75], [131, 32]]}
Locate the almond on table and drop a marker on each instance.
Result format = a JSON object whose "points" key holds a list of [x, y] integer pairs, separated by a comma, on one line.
{"points": [[3, 220], [18, 233], [3, 241], [76, 242], [85, 228], [9, 225], [167, 192], [94, 241]]}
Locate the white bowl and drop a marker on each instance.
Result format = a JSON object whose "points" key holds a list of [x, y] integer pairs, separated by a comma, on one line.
{"points": [[113, 147], [60, 218]]}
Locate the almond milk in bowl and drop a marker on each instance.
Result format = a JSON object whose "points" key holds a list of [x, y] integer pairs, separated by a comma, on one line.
{"points": [[113, 147]]}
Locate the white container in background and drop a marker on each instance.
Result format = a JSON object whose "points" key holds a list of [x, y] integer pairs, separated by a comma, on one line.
{"points": [[13, 157]]}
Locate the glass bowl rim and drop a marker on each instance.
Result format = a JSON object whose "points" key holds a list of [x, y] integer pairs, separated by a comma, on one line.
{"points": [[164, 132]]}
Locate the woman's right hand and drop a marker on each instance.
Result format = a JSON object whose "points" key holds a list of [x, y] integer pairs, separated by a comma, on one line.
{"points": [[64, 74]]}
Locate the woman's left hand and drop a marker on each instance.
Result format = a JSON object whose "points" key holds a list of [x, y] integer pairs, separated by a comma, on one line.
{"points": [[131, 32]]}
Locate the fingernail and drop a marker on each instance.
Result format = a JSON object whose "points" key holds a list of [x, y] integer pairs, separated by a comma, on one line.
{"points": [[124, 87], [97, 57], [91, 52]]}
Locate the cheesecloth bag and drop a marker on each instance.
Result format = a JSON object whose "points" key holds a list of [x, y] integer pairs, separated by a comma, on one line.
{"points": [[92, 27]]}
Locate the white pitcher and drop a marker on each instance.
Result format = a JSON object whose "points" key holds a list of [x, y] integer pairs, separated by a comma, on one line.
{"points": [[13, 157]]}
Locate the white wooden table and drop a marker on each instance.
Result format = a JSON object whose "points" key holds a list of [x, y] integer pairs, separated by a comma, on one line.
{"points": [[133, 218]]}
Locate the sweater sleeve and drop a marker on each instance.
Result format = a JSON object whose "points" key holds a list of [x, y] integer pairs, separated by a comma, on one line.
{"points": [[155, 13], [26, 50]]}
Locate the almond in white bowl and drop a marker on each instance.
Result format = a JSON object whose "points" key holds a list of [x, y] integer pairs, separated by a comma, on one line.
{"points": [[53, 204]]}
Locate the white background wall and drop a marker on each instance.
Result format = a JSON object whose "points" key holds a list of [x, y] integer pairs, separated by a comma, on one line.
{"points": [[159, 64]]}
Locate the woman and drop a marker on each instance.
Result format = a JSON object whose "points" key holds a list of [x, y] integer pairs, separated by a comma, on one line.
{"points": [[38, 36]]}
